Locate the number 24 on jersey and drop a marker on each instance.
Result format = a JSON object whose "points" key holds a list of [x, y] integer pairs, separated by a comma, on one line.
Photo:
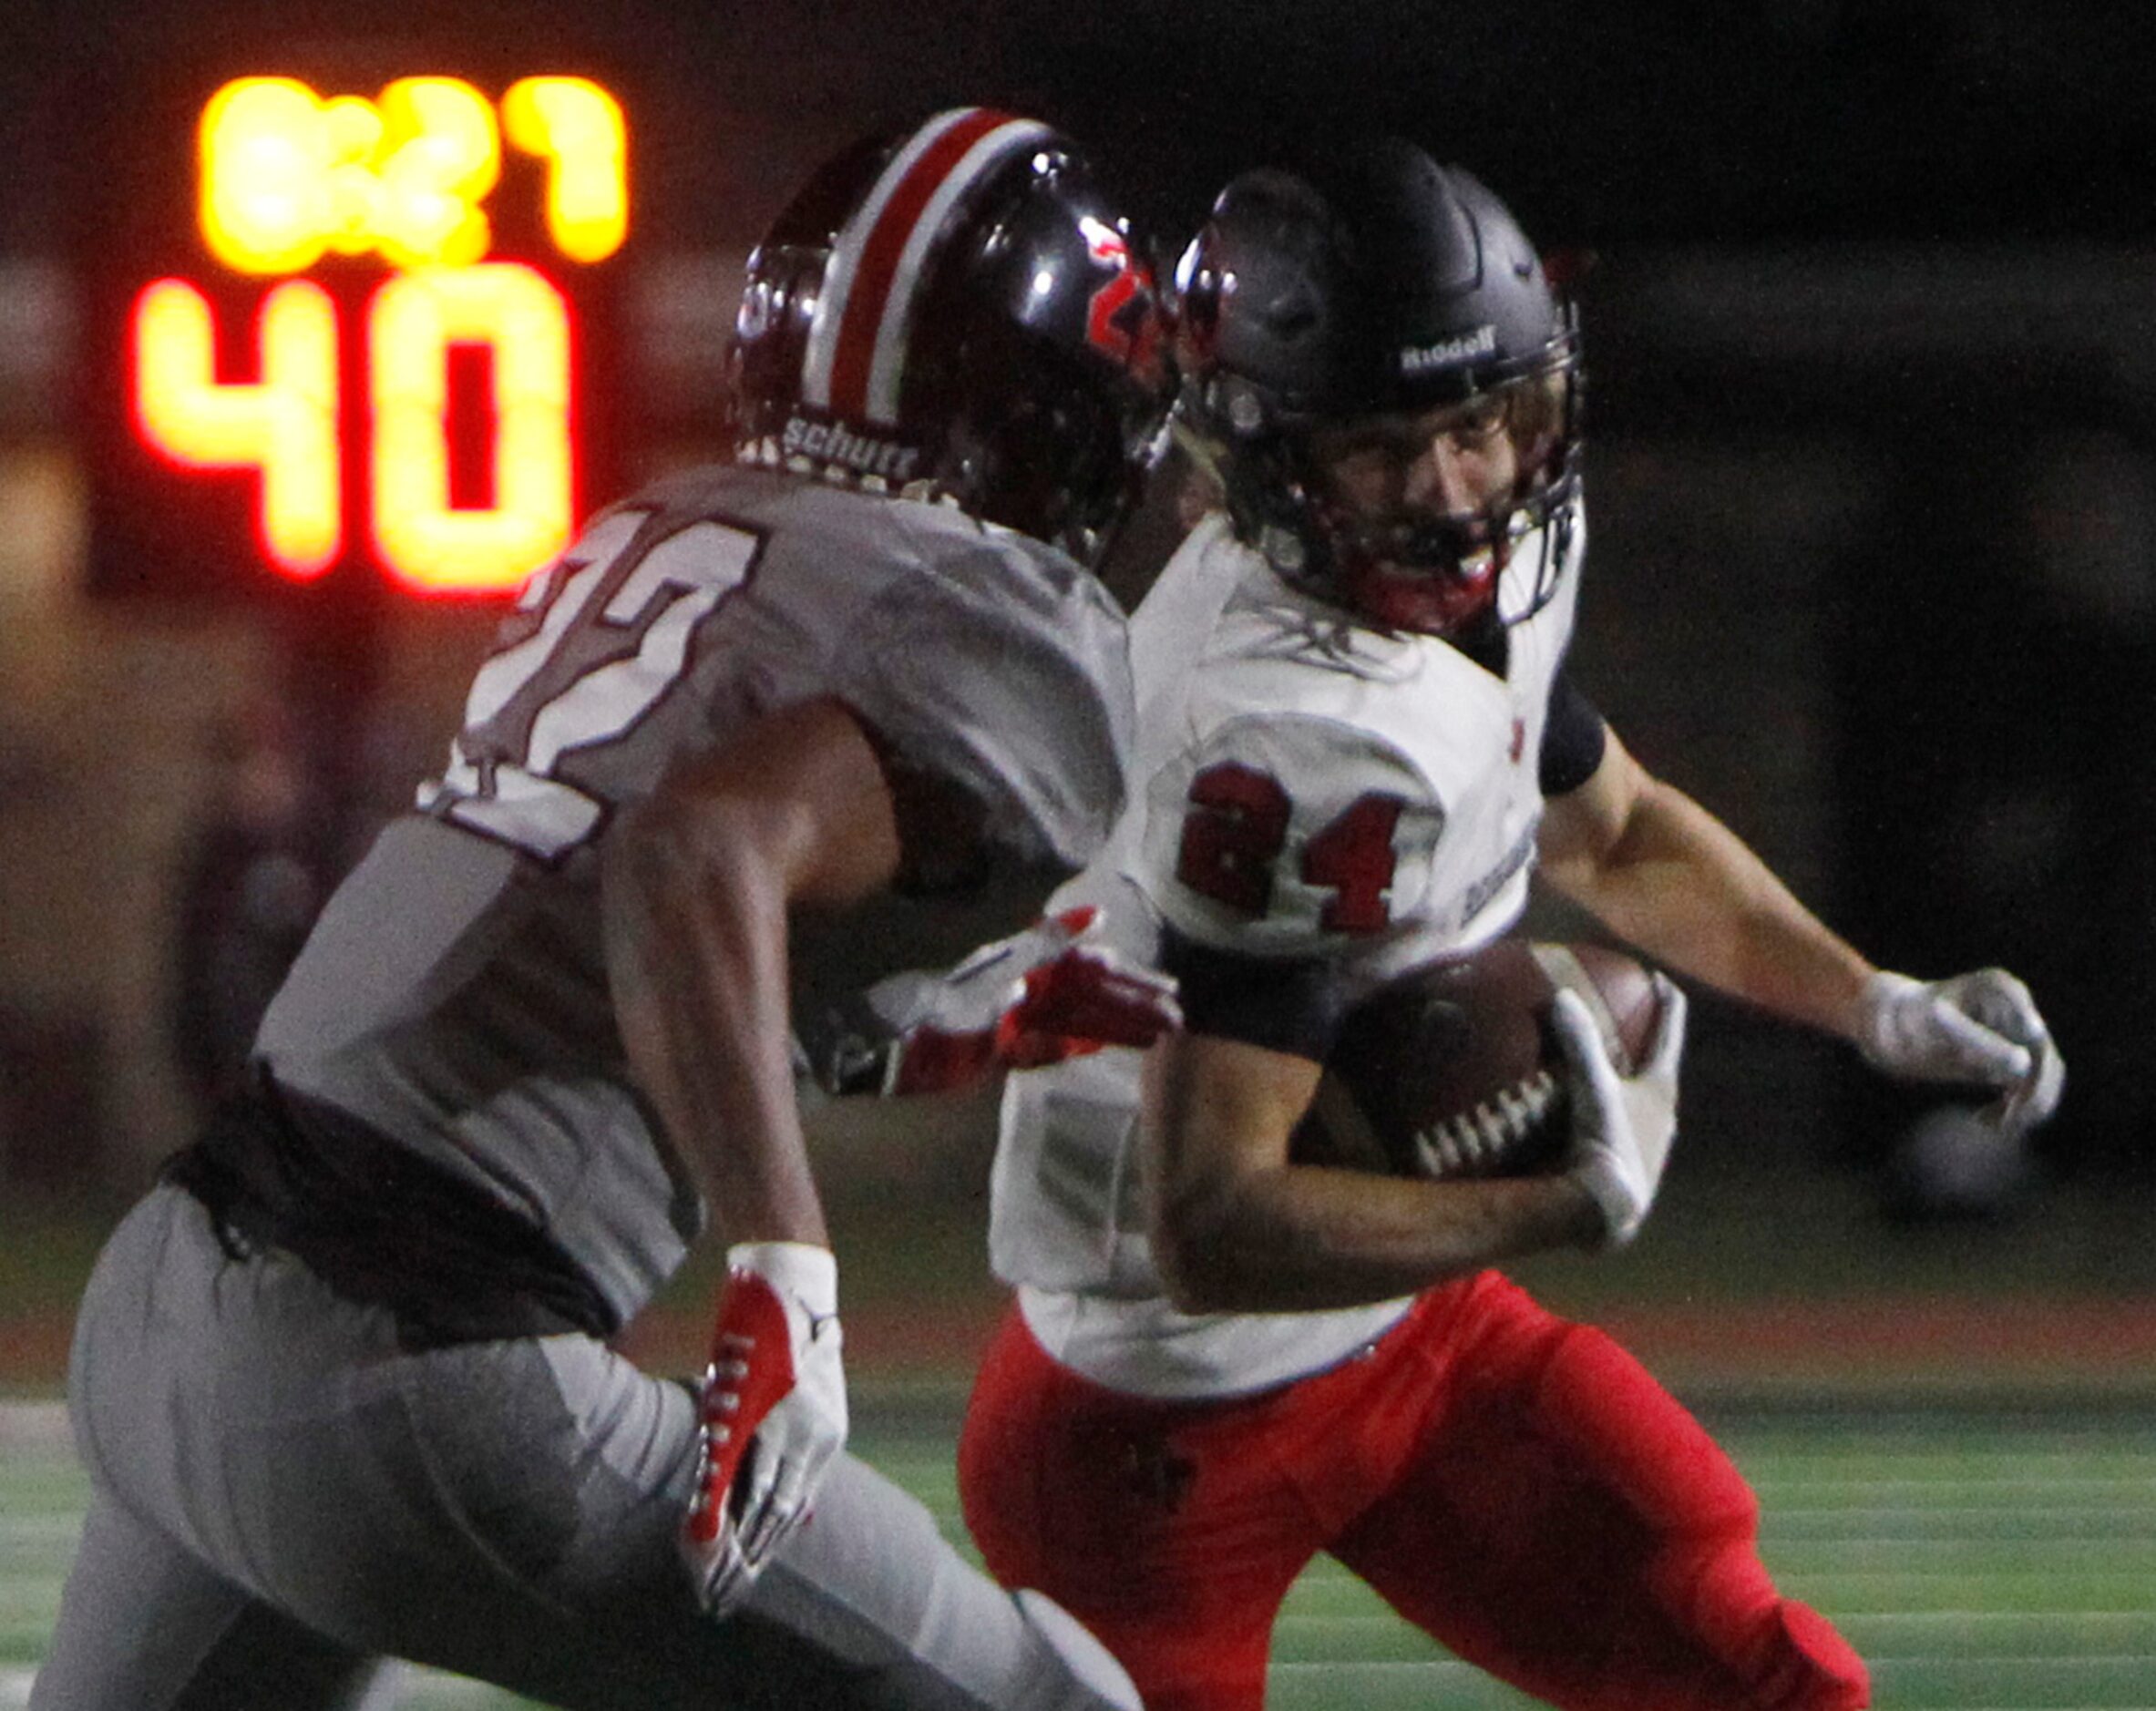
{"points": [[1236, 830]]}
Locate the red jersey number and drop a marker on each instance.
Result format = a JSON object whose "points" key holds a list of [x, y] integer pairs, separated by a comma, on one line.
{"points": [[1237, 828], [1353, 857]]}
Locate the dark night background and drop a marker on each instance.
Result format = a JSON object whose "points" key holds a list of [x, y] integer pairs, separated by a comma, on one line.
{"points": [[1871, 336], [1734, 124]]}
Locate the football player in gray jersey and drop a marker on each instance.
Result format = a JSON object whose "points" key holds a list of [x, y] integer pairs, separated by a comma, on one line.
{"points": [[764, 731]]}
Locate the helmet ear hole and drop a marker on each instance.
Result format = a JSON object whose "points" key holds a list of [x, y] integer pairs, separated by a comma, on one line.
{"points": [[1238, 406]]}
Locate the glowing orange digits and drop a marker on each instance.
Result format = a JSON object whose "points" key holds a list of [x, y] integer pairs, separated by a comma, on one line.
{"points": [[287, 177], [440, 155], [284, 425], [578, 128], [272, 157], [412, 323]]}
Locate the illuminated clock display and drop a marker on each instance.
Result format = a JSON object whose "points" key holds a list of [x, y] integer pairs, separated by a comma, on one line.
{"points": [[356, 401]]}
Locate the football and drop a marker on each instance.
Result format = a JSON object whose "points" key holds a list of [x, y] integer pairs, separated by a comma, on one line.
{"points": [[1452, 1070]]}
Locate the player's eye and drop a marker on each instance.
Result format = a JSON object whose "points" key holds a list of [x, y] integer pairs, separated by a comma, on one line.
{"points": [[1370, 476], [1473, 425]]}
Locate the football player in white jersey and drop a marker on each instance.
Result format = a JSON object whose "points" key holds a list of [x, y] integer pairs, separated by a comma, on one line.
{"points": [[767, 730], [1357, 738]]}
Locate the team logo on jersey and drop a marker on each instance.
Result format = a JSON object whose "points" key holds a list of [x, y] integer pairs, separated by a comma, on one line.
{"points": [[1157, 1473], [834, 443], [1423, 359], [1479, 892]]}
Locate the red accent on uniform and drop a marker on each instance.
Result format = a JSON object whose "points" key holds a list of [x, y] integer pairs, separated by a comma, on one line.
{"points": [[1354, 857], [877, 270], [751, 1330], [1237, 828], [1123, 320], [1076, 1004], [1516, 1486], [1100, 329], [936, 1062]]}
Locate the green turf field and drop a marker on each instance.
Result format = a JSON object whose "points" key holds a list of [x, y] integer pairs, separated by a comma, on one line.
{"points": [[1983, 1558]]}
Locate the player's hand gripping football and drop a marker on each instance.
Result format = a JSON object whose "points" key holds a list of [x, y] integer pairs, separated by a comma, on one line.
{"points": [[1051, 992], [1980, 1029], [770, 1412], [1622, 1125]]}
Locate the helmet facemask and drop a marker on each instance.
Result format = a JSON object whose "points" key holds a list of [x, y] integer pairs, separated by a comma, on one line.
{"points": [[1418, 558], [1334, 324]]}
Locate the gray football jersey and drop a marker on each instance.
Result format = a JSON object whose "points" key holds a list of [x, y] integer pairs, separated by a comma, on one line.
{"points": [[454, 992]]}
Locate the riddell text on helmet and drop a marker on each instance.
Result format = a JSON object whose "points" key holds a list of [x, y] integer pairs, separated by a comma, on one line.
{"points": [[1450, 353], [861, 452]]}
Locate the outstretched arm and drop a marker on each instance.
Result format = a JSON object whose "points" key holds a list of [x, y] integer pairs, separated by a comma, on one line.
{"points": [[1056, 991], [1665, 874]]}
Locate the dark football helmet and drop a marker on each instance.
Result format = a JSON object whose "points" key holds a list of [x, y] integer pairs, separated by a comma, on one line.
{"points": [[1378, 283], [958, 312]]}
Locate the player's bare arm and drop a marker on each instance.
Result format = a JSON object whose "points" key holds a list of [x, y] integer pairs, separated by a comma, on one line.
{"points": [[699, 879], [1236, 1226], [698, 885], [1665, 874]]}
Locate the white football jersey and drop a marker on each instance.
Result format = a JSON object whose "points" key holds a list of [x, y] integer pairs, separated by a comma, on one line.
{"points": [[1305, 790]]}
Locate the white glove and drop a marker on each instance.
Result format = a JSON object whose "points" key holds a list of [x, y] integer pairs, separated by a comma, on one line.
{"points": [[1980, 1029], [770, 1412], [1622, 1126], [1051, 992]]}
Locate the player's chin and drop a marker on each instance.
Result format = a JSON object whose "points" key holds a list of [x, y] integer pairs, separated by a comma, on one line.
{"points": [[1432, 600]]}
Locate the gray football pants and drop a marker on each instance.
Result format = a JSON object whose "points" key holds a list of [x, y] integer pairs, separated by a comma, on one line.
{"points": [[283, 1497]]}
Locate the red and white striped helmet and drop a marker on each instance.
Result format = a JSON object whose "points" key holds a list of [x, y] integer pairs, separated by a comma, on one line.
{"points": [[958, 312]]}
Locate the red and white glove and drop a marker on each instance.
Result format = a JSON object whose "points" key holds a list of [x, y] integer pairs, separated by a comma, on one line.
{"points": [[1981, 1030], [1622, 1125], [770, 1412], [1051, 992]]}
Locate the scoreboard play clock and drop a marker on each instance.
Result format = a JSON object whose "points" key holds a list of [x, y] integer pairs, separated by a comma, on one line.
{"points": [[368, 352]]}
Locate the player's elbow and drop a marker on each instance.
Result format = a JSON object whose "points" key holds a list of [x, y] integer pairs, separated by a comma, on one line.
{"points": [[1218, 1118], [1192, 1284]]}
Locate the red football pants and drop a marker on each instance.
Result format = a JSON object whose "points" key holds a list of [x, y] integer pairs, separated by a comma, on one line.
{"points": [[1516, 1486]]}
